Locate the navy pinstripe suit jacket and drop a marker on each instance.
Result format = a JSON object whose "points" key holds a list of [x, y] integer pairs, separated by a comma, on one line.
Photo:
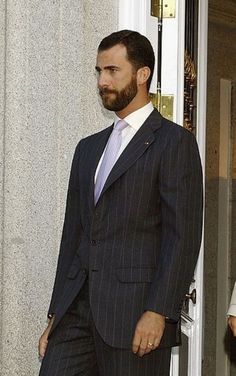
{"points": [[139, 244]]}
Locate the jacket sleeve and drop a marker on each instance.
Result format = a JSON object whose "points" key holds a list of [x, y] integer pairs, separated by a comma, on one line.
{"points": [[180, 185], [70, 234]]}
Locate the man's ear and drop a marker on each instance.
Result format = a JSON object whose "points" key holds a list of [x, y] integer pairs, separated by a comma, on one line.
{"points": [[143, 75]]}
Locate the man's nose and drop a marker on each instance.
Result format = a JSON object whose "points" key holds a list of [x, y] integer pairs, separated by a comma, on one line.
{"points": [[103, 80]]}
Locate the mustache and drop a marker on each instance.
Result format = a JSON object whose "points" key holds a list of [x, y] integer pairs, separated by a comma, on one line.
{"points": [[106, 91]]}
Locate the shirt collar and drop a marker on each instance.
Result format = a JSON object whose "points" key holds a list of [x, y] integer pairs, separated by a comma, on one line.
{"points": [[138, 117]]}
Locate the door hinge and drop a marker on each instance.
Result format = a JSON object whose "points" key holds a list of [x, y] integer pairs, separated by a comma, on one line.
{"points": [[163, 8], [164, 104]]}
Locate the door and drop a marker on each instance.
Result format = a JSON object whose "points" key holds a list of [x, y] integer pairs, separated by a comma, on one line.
{"points": [[178, 33]]}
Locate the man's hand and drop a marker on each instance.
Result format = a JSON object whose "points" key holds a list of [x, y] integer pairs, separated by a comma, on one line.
{"points": [[148, 333], [232, 324], [43, 340]]}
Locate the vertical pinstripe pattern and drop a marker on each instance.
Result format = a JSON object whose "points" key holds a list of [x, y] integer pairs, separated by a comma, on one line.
{"points": [[139, 244], [120, 362], [70, 350], [76, 348]]}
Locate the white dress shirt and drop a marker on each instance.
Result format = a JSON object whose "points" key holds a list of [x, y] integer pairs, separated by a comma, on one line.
{"points": [[232, 306], [134, 121]]}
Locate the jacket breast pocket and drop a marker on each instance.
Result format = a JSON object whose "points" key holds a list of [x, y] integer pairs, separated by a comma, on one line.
{"points": [[135, 275]]}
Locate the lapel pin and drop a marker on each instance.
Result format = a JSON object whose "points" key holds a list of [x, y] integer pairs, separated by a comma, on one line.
{"points": [[146, 142]]}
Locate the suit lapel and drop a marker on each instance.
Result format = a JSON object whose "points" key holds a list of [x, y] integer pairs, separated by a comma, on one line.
{"points": [[94, 157], [137, 146]]}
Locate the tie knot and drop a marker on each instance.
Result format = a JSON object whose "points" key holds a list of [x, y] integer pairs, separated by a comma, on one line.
{"points": [[120, 125]]}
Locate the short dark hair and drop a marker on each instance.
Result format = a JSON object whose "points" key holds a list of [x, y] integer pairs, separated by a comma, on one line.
{"points": [[139, 49]]}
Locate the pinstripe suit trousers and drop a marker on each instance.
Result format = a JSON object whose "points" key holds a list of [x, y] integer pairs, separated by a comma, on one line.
{"points": [[75, 348]]}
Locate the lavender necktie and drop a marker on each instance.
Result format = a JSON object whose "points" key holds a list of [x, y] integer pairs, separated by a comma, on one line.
{"points": [[109, 158]]}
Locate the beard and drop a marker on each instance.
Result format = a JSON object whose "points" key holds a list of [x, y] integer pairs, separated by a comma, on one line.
{"points": [[115, 100]]}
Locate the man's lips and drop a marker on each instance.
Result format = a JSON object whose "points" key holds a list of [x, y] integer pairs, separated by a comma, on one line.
{"points": [[106, 92]]}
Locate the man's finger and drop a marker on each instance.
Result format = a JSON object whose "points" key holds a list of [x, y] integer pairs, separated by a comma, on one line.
{"points": [[42, 348], [136, 343], [43, 342], [157, 342], [150, 345], [143, 347]]}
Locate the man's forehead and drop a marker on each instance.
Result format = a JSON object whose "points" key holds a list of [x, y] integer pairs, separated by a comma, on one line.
{"points": [[116, 52]]}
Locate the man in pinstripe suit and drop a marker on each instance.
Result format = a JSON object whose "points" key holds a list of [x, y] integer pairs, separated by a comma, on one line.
{"points": [[130, 241]]}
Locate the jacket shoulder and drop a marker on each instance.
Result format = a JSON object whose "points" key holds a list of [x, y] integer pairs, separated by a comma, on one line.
{"points": [[91, 140], [174, 133], [168, 127], [96, 136]]}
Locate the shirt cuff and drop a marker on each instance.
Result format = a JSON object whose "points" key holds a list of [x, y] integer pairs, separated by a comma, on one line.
{"points": [[232, 310]]}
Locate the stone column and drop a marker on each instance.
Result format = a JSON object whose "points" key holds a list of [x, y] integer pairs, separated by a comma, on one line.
{"points": [[48, 101]]}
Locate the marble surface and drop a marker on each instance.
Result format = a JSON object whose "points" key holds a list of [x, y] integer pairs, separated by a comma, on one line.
{"points": [[50, 103], [2, 135]]}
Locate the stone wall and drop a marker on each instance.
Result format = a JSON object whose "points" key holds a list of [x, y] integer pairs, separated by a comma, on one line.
{"points": [[48, 101]]}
